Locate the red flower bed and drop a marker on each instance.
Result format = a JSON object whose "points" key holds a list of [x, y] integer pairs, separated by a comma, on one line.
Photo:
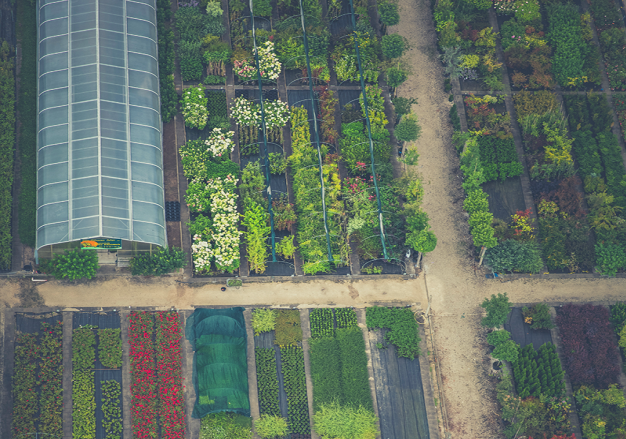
{"points": [[589, 348], [169, 368], [143, 375]]}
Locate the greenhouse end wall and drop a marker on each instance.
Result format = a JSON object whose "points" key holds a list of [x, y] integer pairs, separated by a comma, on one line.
{"points": [[99, 151]]}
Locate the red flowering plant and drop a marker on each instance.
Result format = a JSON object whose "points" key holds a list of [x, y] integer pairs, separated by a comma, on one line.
{"points": [[143, 375], [169, 370]]}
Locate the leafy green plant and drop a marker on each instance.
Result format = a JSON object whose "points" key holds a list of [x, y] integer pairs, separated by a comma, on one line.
{"points": [[538, 316], [74, 264], [402, 105], [394, 45], [256, 220], [111, 409], [512, 255], [278, 164], [389, 15], [285, 247], [292, 366], [7, 139], [497, 308], [496, 338], [506, 351], [346, 318], [322, 322], [226, 425], [408, 130], [325, 371], [110, 348], [83, 386], [618, 316], [611, 258], [396, 75], [270, 427], [288, 330], [263, 320], [166, 260], [354, 375], [267, 380], [601, 411], [403, 329], [334, 421]]}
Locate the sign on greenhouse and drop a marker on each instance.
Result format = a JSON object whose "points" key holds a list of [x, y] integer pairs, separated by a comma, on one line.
{"points": [[102, 243]]}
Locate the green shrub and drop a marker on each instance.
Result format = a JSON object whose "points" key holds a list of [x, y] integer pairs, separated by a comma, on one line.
{"points": [[7, 141], [157, 264], [322, 322], [506, 351], [389, 15], [267, 380], [263, 320], [325, 371], [190, 60], [539, 372], [256, 221], [292, 359], [408, 130], [354, 375], [496, 338], [611, 258], [110, 347], [394, 45], [512, 255], [333, 421], [479, 5], [618, 316], [402, 105], [225, 425], [497, 310], [396, 75], [74, 264], [270, 427], [403, 329], [288, 330], [346, 318], [539, 315]]}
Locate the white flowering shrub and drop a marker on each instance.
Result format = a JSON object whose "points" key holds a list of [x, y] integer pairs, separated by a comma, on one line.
{"points": [[276, 114], [198, 196], [194, 107], [220, 143], [268, 63], [247, 113], [202, 254]]}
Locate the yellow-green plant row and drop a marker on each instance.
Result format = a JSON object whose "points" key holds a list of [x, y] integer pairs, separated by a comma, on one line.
{"points": [[83, 387]]}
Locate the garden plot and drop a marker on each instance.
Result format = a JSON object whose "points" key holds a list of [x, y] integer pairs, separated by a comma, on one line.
{"points": [[97, 374]]}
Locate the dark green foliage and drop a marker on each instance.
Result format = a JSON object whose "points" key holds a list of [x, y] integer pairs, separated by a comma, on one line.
{"points": [[396, 75], [540, 315], [610, 258], [162, 262], [403, 329], [292, 359], [389, 15], [496, 338], [498, 157], [512, 255], [455, 119], [167, 57], [539, 372], [393, 45], [74, 264], [618, 316], [111, 409], [7, 142], [216, 103], [222, 169], [402, 105], [190, 60], [354, 375], [262, 8], [192, 25], [346, 318], [322, 322], [614, 172], [27, 109], [497, 310], [267, 380], [408, 130], [325, 371]]}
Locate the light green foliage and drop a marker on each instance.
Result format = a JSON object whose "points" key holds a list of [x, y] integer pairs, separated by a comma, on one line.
{"points": [[497, 310], [288, 330], [74, 264], [263, 320], [496, 338], [470, 61], [83, 386], [515, 256], [270, 427], [285, 247], [256, 220], [111, 409], [278, 164], [539, 372], [403, 329], [110, 347], [423, 241], [610, 258], [322, 323], [333, 421], [408, 130], [354, 375], [476, 201], [226, 426], [164, 261], [622, 338], [394, 45], [506, 351], [601, 411]]}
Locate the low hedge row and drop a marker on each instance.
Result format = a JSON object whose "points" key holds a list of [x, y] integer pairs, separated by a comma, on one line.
{"points": [[7, 142]]}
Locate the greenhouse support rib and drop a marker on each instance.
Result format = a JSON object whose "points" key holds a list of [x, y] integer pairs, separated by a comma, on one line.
{"points": [[369, 132], [264, 132], [315, 127]]}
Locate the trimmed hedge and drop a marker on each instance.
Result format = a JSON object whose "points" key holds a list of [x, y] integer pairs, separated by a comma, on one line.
{"points": [[7, 142]]}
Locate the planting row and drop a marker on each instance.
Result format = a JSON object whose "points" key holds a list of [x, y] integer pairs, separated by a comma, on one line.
{"points": [[568, 168], [7, 142], [351, 208], [533, 398]]}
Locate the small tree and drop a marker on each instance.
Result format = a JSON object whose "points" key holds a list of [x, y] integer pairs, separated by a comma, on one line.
{"points": [[408, 130], [389, 15], [74, 264], [270, 427], [496, 338], [423, 241], [394, 45], [396, 76], [506, 351], [497, 310]]}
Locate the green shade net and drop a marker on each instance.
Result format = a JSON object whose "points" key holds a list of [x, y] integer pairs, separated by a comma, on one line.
{"points": [[220, 366]]}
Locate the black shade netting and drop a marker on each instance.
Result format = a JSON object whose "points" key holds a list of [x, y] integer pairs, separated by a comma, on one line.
{"points": [[220, 366], [522, 333]]}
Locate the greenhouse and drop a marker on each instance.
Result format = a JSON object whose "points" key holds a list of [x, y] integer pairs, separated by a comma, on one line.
{"points": [[99, 160]]}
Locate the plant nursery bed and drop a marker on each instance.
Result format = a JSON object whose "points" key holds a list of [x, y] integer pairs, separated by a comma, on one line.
{"points": [[399, 392], [522, 333], [505, 197]]}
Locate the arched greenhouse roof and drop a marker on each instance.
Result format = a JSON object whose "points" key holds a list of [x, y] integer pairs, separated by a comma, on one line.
{"points": [[99, 156]]}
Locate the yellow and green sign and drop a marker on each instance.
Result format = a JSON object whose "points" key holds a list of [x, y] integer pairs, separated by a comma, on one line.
{"points": [[101, 243]]}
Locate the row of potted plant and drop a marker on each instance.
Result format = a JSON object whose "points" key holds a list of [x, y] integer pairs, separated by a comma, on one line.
{"points": [[83, 385]]}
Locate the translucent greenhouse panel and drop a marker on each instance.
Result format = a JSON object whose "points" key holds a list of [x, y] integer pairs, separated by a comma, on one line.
{"points": [[144, 116], [143, 134], [84, 129], [85, 228], [141, 28], [53, 98], [53, 80], [52, 213], [142, 63], [83, 21], [52, 234], [86, 208], [143, 98], [52, 193], [147, 192], [142, 45], [148, 212], [141, 11], [149, 232], [146, 154], [147, 2], [51, 63], [114, 168], [143, 80], [84, 188], [52, 174], [112, 15], [115, 227], [53, 116], [146, 173], [114, 207], [53, 45], [53, 28], [50, 155], [84, 167], [53, 135], [53, 11]]}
